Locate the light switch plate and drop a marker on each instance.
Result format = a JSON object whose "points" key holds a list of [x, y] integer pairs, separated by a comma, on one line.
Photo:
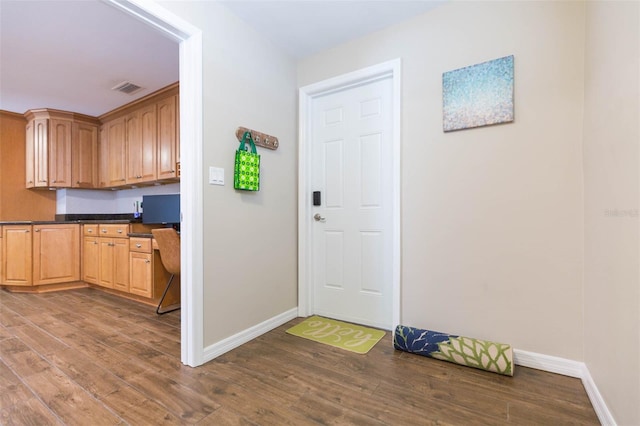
{"points": [[216, 176]]}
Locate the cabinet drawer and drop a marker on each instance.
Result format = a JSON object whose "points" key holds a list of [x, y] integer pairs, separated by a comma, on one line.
{"points": [[114, 231], [142, 245], [90, 230]]}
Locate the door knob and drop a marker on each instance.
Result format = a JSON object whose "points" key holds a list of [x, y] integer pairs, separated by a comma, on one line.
{"points": [[318, 218]]}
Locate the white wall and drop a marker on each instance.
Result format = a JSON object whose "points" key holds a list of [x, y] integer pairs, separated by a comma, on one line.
{"points": [[492, 225], [250, 240], [83, 201], [611, 208]]}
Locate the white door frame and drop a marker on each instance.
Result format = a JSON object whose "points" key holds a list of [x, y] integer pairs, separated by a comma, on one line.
{"points": [[191, 282], [305, 223]]}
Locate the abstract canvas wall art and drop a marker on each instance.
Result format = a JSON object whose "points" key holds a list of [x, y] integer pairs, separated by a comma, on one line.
{"points": [[478, 95]]}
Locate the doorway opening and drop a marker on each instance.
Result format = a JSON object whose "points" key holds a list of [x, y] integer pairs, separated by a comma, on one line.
{"points": [[190, 39]]}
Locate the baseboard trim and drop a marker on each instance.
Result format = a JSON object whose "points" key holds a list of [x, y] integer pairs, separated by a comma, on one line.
{"points": [[570, 368], [602, 411], [232, 342]]}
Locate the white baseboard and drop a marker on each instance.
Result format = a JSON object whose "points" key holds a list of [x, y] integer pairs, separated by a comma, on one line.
{"points": [[570, 368], [604, 415], [232, 342]]}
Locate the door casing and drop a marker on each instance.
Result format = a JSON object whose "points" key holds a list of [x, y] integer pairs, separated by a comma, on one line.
{"points": [[305, 221]]}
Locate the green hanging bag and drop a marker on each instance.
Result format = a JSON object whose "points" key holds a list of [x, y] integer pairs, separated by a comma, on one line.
{"points": [[246, 175]]}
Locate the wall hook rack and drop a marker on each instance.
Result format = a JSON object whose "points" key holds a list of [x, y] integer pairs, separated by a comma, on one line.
{"points": [[259, 138]]}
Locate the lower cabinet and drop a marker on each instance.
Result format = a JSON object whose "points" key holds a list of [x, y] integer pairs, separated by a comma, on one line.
{"points": [[56, 253], [105, 257], [141, 267], [17, 255], [40, 254]]}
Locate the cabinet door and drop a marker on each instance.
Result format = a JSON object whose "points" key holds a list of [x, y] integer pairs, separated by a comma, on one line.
{"points": [[141, 138], [168, 137], [60, 153], [17, 260], [84, 155], [56, 253], [106, 255], [40, 152], [115, 148], [141, 274], [121, 264], [30, 159], [90, 260]]}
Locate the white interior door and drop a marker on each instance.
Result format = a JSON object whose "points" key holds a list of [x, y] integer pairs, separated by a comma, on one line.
{"points": [[351, 154]]}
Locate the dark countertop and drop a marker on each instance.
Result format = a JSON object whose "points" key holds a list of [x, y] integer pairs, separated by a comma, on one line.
{"points": [[79, 218], [139, 235]]}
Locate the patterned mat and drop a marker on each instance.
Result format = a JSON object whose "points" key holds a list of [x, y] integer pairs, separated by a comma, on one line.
{"points": [[343, 335]]}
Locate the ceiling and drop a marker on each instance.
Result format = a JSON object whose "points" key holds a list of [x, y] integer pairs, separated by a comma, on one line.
{"points": [[69, 54]]}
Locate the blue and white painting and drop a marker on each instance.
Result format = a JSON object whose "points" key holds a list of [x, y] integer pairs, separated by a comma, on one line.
{"points": [[478, 95]]}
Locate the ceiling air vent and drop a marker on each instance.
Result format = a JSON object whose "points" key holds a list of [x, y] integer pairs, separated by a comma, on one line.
{"points": [[127, 87]]}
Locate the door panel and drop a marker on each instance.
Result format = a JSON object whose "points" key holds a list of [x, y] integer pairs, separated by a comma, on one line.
{"points": [[352, 156]]}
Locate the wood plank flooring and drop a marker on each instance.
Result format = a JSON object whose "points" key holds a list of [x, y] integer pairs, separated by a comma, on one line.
{"points": [[85, 357]]}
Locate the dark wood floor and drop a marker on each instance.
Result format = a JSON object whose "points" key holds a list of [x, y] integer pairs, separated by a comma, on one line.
{"points": [[89, 358]]}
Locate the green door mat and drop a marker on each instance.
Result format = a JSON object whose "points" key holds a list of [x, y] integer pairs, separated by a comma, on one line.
{"points": [[350, 337]]}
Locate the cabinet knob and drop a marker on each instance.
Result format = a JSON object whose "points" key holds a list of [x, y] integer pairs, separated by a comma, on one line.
{"points": [[26, 230], [119, 231], [138, 245], [104, 231], [172, 171], [147, 261], [36, 230], [90, 231], [30, 181], [77, 182]]}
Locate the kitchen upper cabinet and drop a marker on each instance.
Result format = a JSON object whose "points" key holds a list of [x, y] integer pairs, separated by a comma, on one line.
{"points": [[168, 138], [48, 149], [37, 143], [141, 143], [17, 255], [61, 149], [112, 150], [84, 155], [59, 153], [56, 253]]}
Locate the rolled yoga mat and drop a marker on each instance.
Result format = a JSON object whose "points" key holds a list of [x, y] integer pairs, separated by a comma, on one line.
{"points": [[482, 354]]}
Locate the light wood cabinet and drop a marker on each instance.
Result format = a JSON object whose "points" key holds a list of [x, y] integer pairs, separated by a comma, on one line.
{"points": [[112, 151], [1, 255], [141, 145], [90, 258], [58, 153], [56, 253], [141, 267], [105, 257], [60, 147], [17, 255], [84, 155], [168, 138], [36, 162]]}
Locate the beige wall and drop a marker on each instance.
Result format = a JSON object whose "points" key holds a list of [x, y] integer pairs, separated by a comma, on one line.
{"points": [[250, 239], [17, 202], [611, 187], [492, 224]]}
